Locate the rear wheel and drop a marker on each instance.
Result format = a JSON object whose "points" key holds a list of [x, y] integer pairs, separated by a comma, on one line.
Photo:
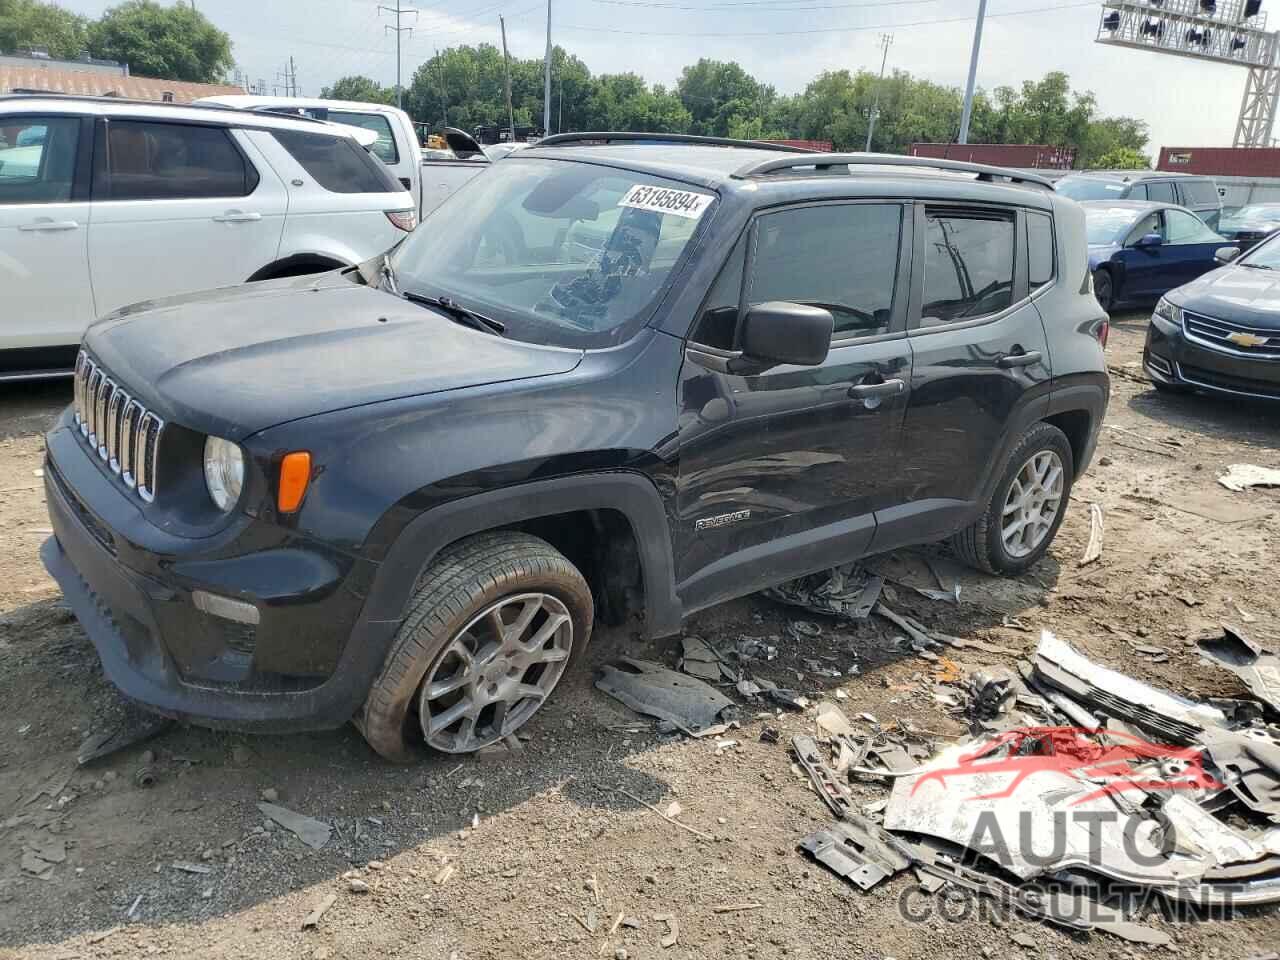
{"points": [[1102, 288], [1027, 507], [492, 625]]}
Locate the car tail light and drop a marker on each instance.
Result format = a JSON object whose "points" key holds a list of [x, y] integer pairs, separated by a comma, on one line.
{"points": [[1104, 331], [404, 220]]}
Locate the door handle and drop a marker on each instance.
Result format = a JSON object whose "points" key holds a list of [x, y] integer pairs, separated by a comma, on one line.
{"points": [[50, 225], [237, 216], [1025, 359], [868, 391]]}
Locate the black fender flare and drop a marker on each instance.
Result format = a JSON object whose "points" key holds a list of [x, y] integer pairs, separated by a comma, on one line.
{"points": [[631, 494]]}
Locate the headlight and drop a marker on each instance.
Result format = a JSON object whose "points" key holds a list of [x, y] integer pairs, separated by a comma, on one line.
{"points": [[223, 472], [1169, 312]]}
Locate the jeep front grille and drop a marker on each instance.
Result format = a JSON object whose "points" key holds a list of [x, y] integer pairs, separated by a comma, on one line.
{"points": [[119, 429]]}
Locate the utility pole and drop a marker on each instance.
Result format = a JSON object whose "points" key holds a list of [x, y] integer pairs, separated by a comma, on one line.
{"points": [[399, 12], [289, 78], [973, 73], [886, 41], [546, 81], [444, 99], [560, 102], [506, 61]]}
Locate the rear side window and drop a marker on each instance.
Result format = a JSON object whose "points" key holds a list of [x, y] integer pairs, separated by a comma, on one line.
{"points": [[1039, 250], [338, 164], [1161, 192], [384, 148], [169, 161], [968, 265], [1137, 192], [37, 158], [843, 257], [1200, 193]]}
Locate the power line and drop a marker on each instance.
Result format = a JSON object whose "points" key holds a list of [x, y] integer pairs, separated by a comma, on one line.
{"points": [[815, 30], [778, 6]]}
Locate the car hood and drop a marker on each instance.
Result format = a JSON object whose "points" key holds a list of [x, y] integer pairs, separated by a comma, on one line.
{"points": [[1246, 226], [1101, 253], [234, 361], [1250, 298]]}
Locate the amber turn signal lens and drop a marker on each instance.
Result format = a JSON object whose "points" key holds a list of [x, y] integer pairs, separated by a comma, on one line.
{"points": [[295, 474]]}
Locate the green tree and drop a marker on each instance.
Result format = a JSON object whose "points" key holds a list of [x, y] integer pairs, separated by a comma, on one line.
{"points": [[25, 24], [1110, 134], [1122, 158], [714, 91], [176, 43], [359, 88]]}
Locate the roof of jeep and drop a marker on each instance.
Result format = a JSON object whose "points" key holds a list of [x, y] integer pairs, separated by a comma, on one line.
{"points": [[714, 167]]}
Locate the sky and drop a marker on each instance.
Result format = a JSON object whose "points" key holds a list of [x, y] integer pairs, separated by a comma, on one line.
{"points": [[782, 42]]}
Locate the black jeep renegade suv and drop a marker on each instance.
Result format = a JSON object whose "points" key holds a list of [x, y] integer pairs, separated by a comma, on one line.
{"points": [[610, 376]]}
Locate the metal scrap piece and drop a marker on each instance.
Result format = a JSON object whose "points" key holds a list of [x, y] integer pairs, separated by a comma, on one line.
{"points": [[1242, 476], [1008, 811], [1116, 694], [314, 833], [833, 791], [1257, 667], [1194, 830], [1250, 763], [655, 691], [133, 727], [700, 660], [857, 850], [848, 591]]}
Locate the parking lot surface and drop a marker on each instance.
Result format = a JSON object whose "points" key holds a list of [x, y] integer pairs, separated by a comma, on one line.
{"points": [[541, 844]]}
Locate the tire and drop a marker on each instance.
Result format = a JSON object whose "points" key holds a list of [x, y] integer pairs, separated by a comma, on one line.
{"points": [[1103, 289], [449, 627], [982, 545]]}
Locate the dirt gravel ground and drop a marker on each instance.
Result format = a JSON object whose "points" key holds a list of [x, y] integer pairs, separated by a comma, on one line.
{"points": [[554, 848]]}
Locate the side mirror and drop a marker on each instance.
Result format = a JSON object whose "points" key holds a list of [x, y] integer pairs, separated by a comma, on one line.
{"points": [[780, 332], [1150, 240], [1226, 254]]}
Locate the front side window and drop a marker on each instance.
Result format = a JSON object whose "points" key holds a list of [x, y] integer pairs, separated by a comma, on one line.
{"points": [[563, 253], [1200, 193], [968, 269], [842, 257], [1039, 250], [1146, 226], [718, 322], [1183, 227], [384, 148], [1161, 192], [338, 164], [37, 158], [169, 161]]}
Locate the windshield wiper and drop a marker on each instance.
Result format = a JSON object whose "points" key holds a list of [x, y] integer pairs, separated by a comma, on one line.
{"points": [[461, 314], [387, 275], [1255, 266]]}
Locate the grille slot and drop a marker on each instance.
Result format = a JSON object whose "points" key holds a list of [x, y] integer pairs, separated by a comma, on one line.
{"points": [[1217, 334], [117, 427]]}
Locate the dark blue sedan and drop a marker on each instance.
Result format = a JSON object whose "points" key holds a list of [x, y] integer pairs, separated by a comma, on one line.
{"points": [[1138, 250]]}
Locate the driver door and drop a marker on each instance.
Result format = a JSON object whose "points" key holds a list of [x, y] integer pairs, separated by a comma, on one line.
{"points": [[1144, 267], [781, 470]]}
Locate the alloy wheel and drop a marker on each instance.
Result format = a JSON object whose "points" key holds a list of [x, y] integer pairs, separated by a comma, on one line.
{"points": [[1032, 504], [495, 672]]}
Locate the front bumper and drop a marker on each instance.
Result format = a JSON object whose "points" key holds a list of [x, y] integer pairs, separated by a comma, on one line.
{"points": [[1169, 357], [306, 665]]}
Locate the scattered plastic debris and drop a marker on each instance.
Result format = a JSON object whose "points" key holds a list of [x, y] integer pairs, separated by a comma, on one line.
{"points": [[655, 691], [1242, 476], [849, 591], [312, 919], [1093, 549], [314, 833]]}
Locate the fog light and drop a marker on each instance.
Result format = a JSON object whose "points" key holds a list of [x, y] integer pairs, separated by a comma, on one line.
{"points": [[225, 607]]}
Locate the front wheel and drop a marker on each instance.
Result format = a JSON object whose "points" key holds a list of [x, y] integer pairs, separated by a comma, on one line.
{"points": [[1102, 288], [1027, 507], [492, 625]]}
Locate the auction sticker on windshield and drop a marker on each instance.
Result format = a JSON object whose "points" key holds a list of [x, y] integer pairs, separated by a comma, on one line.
{"points": [[682, 203]]}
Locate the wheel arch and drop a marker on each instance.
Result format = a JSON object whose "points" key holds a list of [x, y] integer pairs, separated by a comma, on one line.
{"points": [[297, 264], [623, 507]]}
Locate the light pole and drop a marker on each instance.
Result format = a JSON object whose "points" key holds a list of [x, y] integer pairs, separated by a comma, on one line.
{"points": [[973, 73], [546, 83]]}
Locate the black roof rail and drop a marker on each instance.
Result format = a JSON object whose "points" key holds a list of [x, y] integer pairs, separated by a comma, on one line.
{"points": [[606, 137], [821, 161]]}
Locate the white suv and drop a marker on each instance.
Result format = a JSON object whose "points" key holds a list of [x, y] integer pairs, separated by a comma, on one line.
{"points": [[104, 203]]}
